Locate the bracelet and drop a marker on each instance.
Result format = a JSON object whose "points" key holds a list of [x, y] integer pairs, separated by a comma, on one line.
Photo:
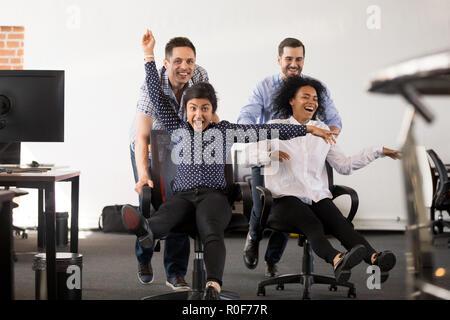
{"points": [[149, 56]]}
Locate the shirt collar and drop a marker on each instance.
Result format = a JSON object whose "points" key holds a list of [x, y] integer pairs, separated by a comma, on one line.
{"points": [[292, 120]]}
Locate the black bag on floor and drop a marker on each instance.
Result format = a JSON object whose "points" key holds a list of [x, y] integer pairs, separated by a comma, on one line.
{"points": [[110, 220]]}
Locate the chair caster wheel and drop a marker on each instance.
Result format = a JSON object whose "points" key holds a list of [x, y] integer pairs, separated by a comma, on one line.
{"points": [[280, 287], [351, 293], [332, 288], [261, 292]]}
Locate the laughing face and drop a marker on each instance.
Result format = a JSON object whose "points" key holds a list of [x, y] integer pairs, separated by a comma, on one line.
{"points": [[180, 66], [304, 104], [199, 113], [291, 61]]}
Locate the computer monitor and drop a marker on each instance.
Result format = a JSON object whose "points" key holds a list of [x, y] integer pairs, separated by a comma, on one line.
{"points": [[31, 107]]}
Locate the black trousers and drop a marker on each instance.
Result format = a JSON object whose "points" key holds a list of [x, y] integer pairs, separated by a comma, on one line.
{"points": [[316, 220], [210, 210]]}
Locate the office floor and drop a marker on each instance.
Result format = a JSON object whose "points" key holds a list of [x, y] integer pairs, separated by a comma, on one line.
{"points": [[109, 269]]}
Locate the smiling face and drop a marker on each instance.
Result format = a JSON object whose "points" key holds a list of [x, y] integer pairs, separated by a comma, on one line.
{"points": [[304, 104], [180, 66], [291, 61], [199, 113]]}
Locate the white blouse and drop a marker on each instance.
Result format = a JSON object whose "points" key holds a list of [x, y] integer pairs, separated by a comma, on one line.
{"points": [[304, 175]]}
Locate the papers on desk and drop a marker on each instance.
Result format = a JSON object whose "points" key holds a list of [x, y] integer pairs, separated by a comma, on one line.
{"points": [[12, 168]]}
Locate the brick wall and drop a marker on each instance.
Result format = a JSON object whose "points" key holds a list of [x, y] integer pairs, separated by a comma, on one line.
{"points": [[11, 47]]}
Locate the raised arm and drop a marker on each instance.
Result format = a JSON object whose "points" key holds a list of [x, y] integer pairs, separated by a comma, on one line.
{"points": [[164, 111]]}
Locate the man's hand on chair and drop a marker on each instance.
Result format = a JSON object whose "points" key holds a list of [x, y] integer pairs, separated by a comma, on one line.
{"points": [[141, 183]]}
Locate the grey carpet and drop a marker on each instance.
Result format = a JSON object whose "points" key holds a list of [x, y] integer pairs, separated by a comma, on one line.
{"points": [[109, 269]]}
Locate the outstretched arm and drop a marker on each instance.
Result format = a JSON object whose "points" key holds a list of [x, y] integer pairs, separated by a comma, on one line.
{"points": [[247, 133], [346, 165]]}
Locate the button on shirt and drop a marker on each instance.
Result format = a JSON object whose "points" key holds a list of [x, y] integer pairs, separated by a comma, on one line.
{"points": [[305, 176], [260, 108], [146, 107], [201, 156]]}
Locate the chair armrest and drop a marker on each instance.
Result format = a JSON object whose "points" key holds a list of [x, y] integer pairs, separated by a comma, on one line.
{"points": [[146, 201], [338, 190], [266, 198], [246, 197]]}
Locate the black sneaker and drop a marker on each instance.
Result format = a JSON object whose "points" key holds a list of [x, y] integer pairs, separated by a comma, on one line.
{"points": [[347, 261], [145, 273], [251, 252], [271, 270], [211, 294], [137, 224], [386, 261], [177, 283]]}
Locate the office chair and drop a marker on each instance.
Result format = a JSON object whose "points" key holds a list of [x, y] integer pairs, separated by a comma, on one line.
{"points": [[237, 191], [441, 196], [307, 277]]}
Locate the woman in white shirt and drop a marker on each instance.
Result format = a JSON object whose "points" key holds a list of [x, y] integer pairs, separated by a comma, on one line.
{"points": [[299, 186]]}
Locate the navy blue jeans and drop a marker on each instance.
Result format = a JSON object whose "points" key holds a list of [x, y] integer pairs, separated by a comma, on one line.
{"points": [[177, 245], [278, 240]]}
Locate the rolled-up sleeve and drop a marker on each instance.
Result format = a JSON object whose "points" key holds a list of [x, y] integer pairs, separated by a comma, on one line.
{"points": [[331, 117]]}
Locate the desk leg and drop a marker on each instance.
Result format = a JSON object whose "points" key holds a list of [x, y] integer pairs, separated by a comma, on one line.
{"points": [[74, 215], [50, 217], [6, 265], [41, 222]]}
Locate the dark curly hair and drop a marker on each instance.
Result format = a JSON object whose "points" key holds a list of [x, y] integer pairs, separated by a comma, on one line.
{"points": [[289, 89], [201, 90]]}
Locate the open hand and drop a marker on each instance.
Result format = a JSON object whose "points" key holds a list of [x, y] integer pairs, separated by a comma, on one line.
{"points": [[279, 156], [148, 43], [326, 135], [393, 154]]}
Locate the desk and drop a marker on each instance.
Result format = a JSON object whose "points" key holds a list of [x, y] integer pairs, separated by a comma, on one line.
{"points": [[45, 183], [6, 259]]}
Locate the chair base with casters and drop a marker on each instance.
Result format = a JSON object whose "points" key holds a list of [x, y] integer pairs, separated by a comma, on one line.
{"points": [[198, 281], [307, 278], [198, 273]]}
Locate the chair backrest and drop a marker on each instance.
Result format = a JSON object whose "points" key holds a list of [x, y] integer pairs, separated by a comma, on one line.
{"points": [[163, 170], [442, 194], [330, 176]]}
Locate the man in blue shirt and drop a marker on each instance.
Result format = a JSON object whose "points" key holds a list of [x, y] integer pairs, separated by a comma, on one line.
{"points": [[259, 109]]}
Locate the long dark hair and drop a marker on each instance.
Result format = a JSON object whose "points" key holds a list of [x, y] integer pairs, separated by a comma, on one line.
{"points": [[289, 89]]}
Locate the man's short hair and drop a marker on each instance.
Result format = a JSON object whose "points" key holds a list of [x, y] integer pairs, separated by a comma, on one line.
{"points": [[178, 42], [290, 42]]}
